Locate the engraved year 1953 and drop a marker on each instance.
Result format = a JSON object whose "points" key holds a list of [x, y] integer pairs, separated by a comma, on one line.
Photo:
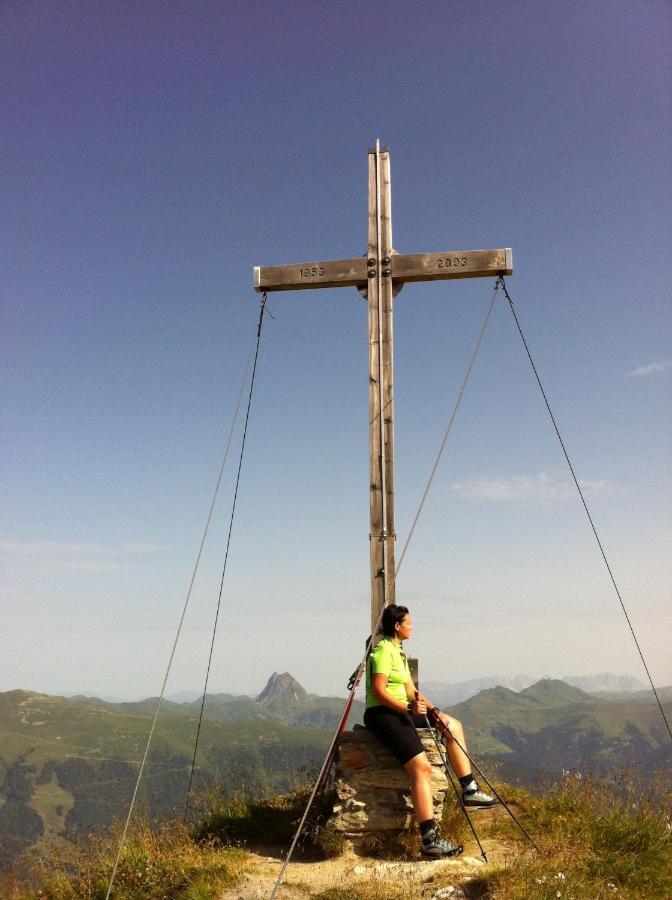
{"points": [[311, 271], [452, 262]]}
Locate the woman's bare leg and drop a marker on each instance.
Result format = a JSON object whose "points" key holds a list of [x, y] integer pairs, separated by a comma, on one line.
{"points": [[458, 759], [420, 772]]}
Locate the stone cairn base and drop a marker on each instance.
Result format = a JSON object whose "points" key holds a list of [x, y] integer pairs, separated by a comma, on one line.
{"points": [[373, 790]]}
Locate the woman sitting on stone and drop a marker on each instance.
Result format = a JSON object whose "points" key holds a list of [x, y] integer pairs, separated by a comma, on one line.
{"points": [[394, 709]]}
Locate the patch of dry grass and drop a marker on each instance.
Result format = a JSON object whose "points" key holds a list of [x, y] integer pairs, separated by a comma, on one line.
{"points": [[11, 886], [272, 821], [597, 840], [155, 863]]}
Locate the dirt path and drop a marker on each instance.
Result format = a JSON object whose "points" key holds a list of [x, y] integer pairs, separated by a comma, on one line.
{"points": [[433, 880]]}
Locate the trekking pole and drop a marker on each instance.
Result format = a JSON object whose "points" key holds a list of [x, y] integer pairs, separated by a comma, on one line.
{"points": [[457, 793], [446, 730]]}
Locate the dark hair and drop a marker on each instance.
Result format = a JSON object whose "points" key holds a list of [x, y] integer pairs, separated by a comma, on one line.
{"points": [[392, 615]]}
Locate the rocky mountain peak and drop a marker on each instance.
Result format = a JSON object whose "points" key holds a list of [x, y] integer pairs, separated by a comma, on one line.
{"points": [[282, 690]]}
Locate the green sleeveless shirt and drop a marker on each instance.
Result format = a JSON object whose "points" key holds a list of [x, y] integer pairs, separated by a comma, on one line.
{"points": [[387, 658]]}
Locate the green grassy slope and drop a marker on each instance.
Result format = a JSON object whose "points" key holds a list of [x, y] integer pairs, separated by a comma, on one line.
{"points": [[70, 765], [553, 725]]}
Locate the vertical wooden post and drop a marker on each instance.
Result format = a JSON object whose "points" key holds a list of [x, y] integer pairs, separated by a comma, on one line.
{"points": [[381, 397], [373, 279]]}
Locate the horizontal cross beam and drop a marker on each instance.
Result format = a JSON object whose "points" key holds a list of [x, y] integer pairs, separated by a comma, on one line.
{"points": [[401, 268], [331, 273]]}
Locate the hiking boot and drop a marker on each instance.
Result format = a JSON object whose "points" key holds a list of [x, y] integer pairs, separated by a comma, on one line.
{"points": [[436, 848], [478, 799]]}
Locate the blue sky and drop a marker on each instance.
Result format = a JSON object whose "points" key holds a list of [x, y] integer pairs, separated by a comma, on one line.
{"points": [[152, 154]]}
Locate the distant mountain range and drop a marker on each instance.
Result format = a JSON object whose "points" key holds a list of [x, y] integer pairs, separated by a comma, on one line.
{"points": [[68, 765], [551, 726], [447, 694], [455, 692], [283, 699]]}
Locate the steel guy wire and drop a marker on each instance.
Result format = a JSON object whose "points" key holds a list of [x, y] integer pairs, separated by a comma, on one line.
{"points": [[180, 624], [226, 555], [585, 506]]}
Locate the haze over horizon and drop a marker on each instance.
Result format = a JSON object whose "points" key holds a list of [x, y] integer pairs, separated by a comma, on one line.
{"points": [[153, 154], [186, 695]]}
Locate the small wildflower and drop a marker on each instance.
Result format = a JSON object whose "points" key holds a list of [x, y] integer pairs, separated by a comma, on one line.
{"points": [[560, 876]]}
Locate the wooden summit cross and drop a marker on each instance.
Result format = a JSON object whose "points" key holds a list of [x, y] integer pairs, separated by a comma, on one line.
{"points": [[379, 277]]}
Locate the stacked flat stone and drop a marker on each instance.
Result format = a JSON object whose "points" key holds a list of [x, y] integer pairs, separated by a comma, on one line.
{"points": [[373, 789]]}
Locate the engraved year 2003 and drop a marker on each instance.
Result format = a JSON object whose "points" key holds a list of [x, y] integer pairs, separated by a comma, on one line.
{"points": [[452, 262], [311, 271]]}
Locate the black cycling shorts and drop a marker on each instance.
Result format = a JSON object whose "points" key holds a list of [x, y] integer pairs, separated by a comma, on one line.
{"points": [[396, 731]]}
